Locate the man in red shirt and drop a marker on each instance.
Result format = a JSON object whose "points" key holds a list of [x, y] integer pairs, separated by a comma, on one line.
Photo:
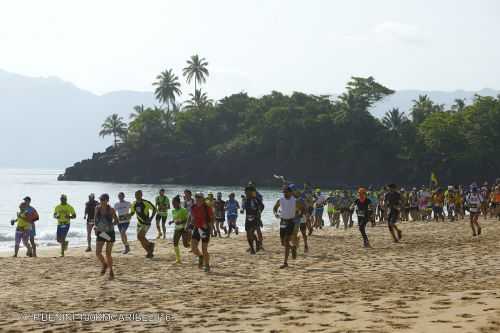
{"points": [[201, 219]]}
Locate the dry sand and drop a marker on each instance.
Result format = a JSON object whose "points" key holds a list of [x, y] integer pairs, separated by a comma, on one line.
{"points": [[438, 279]]}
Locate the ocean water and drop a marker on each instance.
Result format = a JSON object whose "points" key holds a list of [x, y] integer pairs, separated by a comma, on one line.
{"points": [[44, 189]]}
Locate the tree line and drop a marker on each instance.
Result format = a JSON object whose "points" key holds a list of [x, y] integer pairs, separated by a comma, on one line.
{"points": [[321, 139]]}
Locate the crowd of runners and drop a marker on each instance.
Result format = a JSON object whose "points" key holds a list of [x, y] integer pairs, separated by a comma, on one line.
{"points": [[198, 218]]}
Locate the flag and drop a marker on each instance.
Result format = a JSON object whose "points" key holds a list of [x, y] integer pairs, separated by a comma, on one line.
{"points": [[434, 180]]}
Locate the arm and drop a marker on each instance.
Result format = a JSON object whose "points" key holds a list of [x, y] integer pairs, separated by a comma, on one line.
{"points": [[73, 214], [115, 217], [86, 211], [276, 207]]}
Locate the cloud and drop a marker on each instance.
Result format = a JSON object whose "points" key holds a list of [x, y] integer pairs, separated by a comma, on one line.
{"points": [[398, 31], [389, 32]]}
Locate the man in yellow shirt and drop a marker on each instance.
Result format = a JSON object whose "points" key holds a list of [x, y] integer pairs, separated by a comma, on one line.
{"points": [[64, 213], [23, 229]]}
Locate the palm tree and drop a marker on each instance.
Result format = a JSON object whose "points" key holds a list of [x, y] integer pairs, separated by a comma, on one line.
{"points": [[198, 100], [113, 125], [393, 120], [167, 88], [138, 109], [196, 68], [459, 105]]}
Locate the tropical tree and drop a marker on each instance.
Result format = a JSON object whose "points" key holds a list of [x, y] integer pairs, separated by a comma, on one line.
{"points": [[394, 119], [138, 109], [459, 105], [167, 88], [196, 69], [113, 125], [423, 107], [198, 101]]}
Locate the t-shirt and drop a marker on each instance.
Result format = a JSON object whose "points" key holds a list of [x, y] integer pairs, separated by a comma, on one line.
{"points": [[90, 209], [392, 200], [180, 215], [232, 208], [219, 208], [142, 209], [122, 209], [162, 204], [63, 212], [199, 215], [22, 221]]}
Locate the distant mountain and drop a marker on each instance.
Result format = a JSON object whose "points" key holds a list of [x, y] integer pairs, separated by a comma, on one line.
{"points": [[50, 123], [402, 99]]}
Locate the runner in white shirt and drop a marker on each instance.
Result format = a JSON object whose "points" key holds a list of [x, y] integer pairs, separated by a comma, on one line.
{"points": [[474, 201], [288, 208], [122, 209]]}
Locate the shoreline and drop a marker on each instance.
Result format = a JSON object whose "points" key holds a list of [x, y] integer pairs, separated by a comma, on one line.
{"points": [[437, 279]]}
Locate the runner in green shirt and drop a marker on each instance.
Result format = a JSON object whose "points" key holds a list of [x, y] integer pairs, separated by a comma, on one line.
{"points": [[64, 213], [180, 218], [162, 205]]}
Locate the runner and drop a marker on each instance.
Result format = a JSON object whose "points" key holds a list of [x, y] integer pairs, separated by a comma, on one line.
{"points": [[300, 220], [145, 212], [319, 208], [188, 203], [232, 206], [371, 208], [485, 194], [344, 208], [105, 220], [405, 203], [89, 217], [202, 218], [287, 204], [64, 213], [393, 205], [122, 208], [450, 203], [209, 201], [23, 229], [220, 214], [252, 207], [162, 207], [362, 206], [414, 205], [32, 216], [180, 218], [496, 201], [474, 201], [459, 203], [330, 207], [437, 204]]}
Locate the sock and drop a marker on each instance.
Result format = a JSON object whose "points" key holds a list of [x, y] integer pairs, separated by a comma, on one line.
{"points": [[177, 253]]}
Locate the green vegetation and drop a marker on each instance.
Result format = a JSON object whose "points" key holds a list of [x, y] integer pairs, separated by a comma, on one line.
{"points": [[321, 139]]}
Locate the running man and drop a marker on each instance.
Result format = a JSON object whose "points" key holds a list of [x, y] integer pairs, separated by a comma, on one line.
{"points": [[122, 208], [32, 216], [438, 204], [220, 214], [202, 218], [300, 220], [252, 207], [319, 208], [64, 213], [105, 220], [474, 201], [162, 207], [179, 218], [392, 202], [232, 207], [362, 207], [23, 229], [145, 212], [89, 217], [287, 205]]}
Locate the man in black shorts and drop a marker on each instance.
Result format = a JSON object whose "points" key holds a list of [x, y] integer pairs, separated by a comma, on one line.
{"points": [[252, 206], [288, 211]]}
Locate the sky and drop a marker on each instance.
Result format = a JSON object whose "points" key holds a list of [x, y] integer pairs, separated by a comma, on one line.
{"points": [[313, 46]]}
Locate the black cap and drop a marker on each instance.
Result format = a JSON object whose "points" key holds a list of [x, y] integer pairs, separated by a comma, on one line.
{"points": [[27, 199]]}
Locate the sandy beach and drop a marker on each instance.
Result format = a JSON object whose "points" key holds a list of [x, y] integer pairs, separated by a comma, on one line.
{"points": [[438, 279]]}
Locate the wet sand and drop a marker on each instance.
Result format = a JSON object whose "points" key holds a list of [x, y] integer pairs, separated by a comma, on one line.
{"points": [[438, 279]]}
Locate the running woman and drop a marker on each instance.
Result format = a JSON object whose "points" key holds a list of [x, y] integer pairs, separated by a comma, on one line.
{"points": [[89, 217], [287, 204], [105, 220], [474, 201], [232, 207], [64, 213], [252, 207], [202, 218], [362, 207], [122, 208], [162, 207], [179, 218], [392, 202], [145, 212]]}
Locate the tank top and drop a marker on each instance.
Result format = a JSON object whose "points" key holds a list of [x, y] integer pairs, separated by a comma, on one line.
{"points": [[104, 222], [288, 207]]}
